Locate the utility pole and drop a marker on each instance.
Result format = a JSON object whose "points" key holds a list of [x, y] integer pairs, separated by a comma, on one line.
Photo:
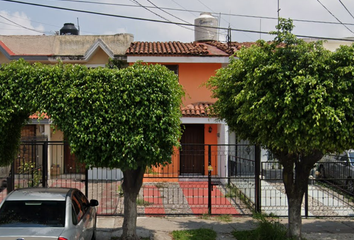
{"points": [[278, 11]]}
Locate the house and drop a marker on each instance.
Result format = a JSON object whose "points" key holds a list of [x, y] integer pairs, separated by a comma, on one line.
{"points": [[89, 50], [194, 63]]}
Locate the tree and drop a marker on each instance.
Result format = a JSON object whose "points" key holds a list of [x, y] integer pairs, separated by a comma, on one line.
{"points": [[17, 86], [127, 119], [293, 98]]}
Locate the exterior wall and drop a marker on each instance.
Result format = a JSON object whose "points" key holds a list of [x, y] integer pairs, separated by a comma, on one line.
{"points": [[211, 138], [192, 76], [56, 156], [28, 132], [3, 59], [99, 58]]}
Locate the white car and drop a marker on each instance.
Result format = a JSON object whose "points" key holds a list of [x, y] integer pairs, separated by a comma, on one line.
{"points": [[47, 214]]}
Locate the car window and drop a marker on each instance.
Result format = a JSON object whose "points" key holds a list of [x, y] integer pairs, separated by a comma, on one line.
{"points": [[77, 208], [32, 213], [74, 216], [351, 158], [82, 200]]}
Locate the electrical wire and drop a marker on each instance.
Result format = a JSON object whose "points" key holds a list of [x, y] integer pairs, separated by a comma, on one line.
{"points": [[198, 11], [161, 21], [19, 25], [167, 12], [158, 14], [334, 15], [346, 8], [185, 9]]}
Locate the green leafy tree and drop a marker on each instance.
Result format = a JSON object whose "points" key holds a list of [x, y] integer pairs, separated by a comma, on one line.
{"points": [[127, 119], [293, 98], [18, 84]]}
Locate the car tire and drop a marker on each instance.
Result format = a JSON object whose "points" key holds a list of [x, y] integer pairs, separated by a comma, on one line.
{"points": [[94, 230], [350, 185], [321, 172], [94, 235]]}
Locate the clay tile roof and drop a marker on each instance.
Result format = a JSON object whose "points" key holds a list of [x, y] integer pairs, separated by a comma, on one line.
{"points": [[232, 47], [199, 109], [209, 48], [167, 48], [36, 116]]}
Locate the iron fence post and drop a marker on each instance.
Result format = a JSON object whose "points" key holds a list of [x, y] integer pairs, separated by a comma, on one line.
{"points": [[209, 180], [86, 183], [45, 164], [257, 174], [307, 201], [11, 179]]}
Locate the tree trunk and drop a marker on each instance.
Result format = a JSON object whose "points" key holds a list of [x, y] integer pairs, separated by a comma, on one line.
{"points": [[294, 218], [133, 180], [296, 172]]}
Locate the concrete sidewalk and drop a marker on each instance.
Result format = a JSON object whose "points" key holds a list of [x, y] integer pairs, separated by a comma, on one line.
{"points": [[159, 228]]}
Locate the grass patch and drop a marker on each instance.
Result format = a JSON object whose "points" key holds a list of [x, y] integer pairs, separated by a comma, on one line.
{"points": [[205, 216], [266, 230], [195, 234], [224, 218]]}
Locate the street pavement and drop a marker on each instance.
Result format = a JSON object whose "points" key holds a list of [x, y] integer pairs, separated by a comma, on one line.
{"points": [[160, 228]]}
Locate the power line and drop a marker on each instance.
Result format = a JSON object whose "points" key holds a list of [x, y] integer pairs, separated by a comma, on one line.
{"points": [[19, 25], [212, 12], [161, 21], [157, 13], [205, 5], [185, 9], [334, 16], [167, 12], [346, 8]]}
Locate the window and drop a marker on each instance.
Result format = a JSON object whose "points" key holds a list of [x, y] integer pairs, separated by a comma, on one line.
{"points": [[35, 213], [77, 208], [82, 201], [173, 68]]}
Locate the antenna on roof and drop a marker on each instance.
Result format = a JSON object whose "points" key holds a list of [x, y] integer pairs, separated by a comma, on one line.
{"points": [[278, 11], [78, 26], [228, 36]]}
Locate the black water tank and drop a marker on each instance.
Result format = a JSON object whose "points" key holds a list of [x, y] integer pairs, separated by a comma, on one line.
{"points": [[69, 29]]}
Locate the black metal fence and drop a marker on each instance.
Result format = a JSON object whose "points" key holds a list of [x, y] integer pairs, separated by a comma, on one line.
{"points": [[231, 179]]}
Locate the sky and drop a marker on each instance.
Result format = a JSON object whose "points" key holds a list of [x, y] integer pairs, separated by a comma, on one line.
{"points": [[155, 20]]}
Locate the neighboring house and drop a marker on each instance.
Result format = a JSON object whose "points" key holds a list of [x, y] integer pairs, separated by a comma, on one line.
{"points": [[89, 50], [333, 45], [194, 63]]}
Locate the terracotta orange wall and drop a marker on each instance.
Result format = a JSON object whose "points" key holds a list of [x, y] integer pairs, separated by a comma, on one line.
{"points": [[192, 76], [211, 138]]}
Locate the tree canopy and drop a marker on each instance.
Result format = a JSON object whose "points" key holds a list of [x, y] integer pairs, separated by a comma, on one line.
{"points": [[118, 118], [293, 98], [288, 95], [111, 118]]}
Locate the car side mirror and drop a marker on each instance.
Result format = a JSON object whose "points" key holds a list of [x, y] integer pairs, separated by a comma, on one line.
{"points": [[93, 203]]}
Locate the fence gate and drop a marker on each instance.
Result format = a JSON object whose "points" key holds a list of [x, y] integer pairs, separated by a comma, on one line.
{"points": [[233, 181]]}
